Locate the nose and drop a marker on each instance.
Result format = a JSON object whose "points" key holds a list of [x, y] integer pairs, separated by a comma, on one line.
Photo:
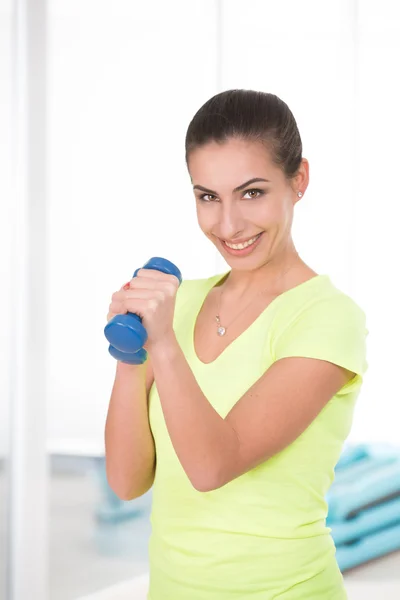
{"points": [[231, 223]]}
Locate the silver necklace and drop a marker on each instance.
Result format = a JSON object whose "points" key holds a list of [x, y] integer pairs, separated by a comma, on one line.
{"points": [[222, 329]]}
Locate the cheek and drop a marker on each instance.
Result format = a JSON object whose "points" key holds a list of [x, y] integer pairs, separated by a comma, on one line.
{"points": [[271, 213], [263, 214], [204, 218]]}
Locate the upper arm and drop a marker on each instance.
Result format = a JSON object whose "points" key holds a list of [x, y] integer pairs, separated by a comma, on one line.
{"points": [[280, 406], [319, 354]]}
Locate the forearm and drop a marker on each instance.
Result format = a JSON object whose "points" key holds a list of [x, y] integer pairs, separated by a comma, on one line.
{"points": [[130, 454], [204, 442]]}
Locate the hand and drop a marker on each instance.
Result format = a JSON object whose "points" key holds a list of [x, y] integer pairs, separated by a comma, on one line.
{"points": [[116, 307], [151, 295]]}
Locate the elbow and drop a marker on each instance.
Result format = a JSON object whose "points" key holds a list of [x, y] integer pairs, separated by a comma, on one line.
{"points": [[205, 487], [129, 494], [201, 485], [122, 492], [125, 493], [207, 482], [224, 470]]}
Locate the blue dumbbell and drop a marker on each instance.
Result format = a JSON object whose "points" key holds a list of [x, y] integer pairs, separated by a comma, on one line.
{"points": [[126, 333], [131, 358]]}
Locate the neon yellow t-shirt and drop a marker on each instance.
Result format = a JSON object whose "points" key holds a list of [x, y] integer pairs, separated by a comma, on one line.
{"points": [[263, 535]]}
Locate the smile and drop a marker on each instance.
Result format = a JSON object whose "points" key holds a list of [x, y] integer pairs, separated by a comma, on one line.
{"points": [[243, 245]]}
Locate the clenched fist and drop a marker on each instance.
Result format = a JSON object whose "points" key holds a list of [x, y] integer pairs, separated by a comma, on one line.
{"points": [[150, 295]]}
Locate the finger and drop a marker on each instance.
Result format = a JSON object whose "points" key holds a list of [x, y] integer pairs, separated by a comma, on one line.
{"points": [[146, 283], [142, 306], [157, 275], [143, 294], [119, 296], [168, 286], [111, 314], [118, 308]]}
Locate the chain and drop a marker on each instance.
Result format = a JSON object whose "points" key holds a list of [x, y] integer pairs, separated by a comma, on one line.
{"points": [[221, 329]]}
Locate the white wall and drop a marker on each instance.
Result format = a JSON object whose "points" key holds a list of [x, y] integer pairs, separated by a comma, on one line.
{"points": [[6, 328], [125, 80], [124, 86], [303, 52], [376, 247], [336, 64]]}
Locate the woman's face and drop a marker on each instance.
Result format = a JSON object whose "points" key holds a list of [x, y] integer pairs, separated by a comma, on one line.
{"points": [[234, 208]]}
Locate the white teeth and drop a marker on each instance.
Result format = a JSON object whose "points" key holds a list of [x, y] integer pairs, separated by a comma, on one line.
{"points": [[244, 245]]}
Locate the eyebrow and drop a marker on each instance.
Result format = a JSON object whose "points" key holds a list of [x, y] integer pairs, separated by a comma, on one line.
{"points": [[237, 189]]}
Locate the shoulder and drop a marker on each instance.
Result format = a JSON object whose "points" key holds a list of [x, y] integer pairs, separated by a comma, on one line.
{"points": [[325, 323], [319, 302]]}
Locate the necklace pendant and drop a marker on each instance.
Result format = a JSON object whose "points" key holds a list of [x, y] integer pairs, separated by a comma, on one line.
{"points": [[220, 330]]}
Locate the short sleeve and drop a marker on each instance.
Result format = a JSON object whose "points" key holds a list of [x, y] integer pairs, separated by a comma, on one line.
{"points": [[183, 295], [331, 329], [186, 296]]}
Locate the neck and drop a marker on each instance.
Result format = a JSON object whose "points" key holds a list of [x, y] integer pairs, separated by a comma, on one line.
{"points": [[270, 276]]}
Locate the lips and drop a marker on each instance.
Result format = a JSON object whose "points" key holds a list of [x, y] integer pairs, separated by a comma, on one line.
{"points": [[247, 242], [246, 250]]}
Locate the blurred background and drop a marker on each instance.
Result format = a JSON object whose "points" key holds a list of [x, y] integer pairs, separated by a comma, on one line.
{"points": [[95, 100]]}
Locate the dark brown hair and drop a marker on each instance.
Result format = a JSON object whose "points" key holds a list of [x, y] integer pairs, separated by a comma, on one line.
{"points": [[252, 116]]}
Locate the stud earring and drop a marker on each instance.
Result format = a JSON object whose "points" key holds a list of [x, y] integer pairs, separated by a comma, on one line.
{"points": [[299, 194]]}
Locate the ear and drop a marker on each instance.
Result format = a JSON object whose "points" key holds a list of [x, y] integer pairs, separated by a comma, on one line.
{"points": [[301, 180]]}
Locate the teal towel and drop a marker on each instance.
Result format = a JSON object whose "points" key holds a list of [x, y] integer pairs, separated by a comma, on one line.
{"points": [[366, 522], [368, 548], [376, 486]]}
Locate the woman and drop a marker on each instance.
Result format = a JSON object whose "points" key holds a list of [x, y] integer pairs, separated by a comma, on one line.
{"points": [[256, 372]]}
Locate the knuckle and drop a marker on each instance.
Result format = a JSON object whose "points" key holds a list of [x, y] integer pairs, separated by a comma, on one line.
{"points": [[171, 288], [173, 280], [152, 304]]}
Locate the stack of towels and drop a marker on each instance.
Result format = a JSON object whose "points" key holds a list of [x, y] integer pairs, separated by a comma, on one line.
{"points": [[364, 504]]}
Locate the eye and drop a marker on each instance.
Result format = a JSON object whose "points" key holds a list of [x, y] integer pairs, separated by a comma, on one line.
{"points": [[212, 198], [203, 197], [257, 191]]}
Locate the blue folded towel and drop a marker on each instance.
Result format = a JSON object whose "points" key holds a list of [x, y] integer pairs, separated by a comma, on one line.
{"points": [[376, 486], [352, 454], [368, 548], [364, 464], [364, 504], [366, 522]]}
